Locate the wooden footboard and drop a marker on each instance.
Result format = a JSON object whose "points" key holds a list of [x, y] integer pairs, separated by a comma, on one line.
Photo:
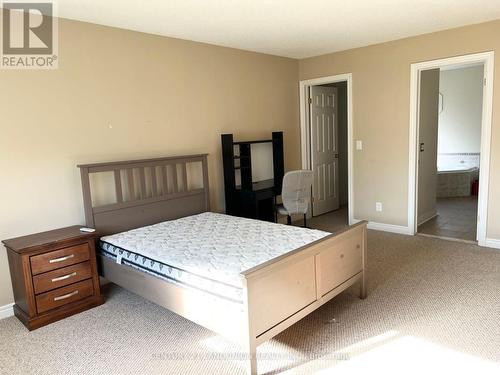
{"points": [[284, 290]]}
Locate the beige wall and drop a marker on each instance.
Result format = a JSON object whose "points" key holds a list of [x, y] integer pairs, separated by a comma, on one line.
{"points": [[117, 95], [381, 87]]}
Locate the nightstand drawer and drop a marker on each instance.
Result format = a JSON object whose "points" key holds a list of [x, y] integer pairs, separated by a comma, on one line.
{"points": [[61, 277], [59, 258], [64, 295]]}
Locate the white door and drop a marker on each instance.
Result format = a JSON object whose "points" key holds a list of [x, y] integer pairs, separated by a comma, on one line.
{"points": [[324, 149], [428, 144]]}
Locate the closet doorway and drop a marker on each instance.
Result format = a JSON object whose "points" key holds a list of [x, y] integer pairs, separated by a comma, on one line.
{"points": [[326, 131]]}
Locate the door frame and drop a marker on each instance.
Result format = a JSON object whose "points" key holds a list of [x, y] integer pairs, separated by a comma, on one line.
{"points": [[487, 59], [305, 129]]}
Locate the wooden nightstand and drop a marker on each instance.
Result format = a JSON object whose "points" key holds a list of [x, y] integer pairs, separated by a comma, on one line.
{"points": [[54, 275]]}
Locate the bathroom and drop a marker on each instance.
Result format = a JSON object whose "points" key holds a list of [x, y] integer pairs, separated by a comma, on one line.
{"points": [[457, 155]]}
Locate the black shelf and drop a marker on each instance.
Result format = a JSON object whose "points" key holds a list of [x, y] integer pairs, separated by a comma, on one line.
{"points": [[252, 142], [251, 199]]}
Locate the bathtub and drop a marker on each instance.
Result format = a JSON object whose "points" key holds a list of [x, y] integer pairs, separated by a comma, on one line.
{"points": [[456, 182]]}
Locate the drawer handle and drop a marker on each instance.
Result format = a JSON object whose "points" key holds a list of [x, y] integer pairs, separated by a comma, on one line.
{"points": [[64, 296], [61, 259], [63, 277]]}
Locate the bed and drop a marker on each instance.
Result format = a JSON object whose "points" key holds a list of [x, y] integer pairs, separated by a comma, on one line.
{"points": [[244, 279]]}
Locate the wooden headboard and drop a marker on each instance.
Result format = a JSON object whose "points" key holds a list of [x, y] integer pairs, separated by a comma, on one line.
{"points": [[145, 191]]}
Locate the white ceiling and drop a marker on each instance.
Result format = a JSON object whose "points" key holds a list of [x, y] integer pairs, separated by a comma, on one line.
{"points": [[292, 28]]}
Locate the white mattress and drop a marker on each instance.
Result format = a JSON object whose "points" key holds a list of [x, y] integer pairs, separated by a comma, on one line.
{"points": [[206, 251]]}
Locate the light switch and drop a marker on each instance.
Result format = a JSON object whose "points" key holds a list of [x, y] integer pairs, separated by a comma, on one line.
{"points": [[359, 145]]}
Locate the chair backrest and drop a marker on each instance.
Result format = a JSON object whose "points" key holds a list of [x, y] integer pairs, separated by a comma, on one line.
{"points": [[296, 191]]}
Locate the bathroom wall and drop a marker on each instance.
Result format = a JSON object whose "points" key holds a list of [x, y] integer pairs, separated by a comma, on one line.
{"points": [[459, 135]]}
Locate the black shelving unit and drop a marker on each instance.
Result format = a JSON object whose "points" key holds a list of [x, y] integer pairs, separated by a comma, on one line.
{"points": [[255, 200]]}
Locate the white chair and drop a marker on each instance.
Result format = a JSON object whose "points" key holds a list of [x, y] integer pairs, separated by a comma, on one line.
{"points": [[295, 194]]}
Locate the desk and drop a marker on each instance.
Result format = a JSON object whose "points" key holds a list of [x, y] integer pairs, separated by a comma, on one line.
{"points": [[256, 203]]}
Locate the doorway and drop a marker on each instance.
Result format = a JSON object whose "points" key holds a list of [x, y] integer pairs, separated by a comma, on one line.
{"points": [[451, 114], [326, 129]]}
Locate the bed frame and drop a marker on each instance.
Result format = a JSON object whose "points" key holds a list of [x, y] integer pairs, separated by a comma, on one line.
{"points": [[277, 293]]}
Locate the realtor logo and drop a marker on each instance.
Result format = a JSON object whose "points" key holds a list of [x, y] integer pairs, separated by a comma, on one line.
{"points": [[29, 36]]}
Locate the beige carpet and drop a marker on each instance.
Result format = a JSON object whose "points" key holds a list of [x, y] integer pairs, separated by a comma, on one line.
{"points": [[433, 306]]}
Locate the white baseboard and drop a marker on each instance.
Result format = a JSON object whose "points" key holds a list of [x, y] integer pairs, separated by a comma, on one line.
{"points": [[389, 228], [490, 242], [399, 229], [6, 311]]}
